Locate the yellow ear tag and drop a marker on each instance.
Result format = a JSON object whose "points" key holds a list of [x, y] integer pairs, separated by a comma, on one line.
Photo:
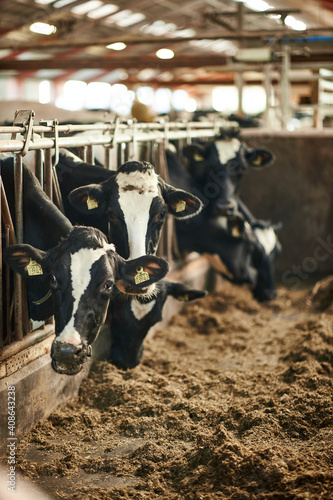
{"points": [[183, 298], [235, 232], [181, 205], [34, 269], [197, 157], [141, 276], [257, 161], [91, 203]]}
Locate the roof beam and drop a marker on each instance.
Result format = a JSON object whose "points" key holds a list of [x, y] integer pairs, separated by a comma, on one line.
{"points": [[108, 63], [130, 40]]}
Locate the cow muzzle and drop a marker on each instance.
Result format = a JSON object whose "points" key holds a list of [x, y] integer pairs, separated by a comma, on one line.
{"points": [[68, 359], [224, 208]]}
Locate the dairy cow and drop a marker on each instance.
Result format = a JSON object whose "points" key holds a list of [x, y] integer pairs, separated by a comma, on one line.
{"points": [[130, 320], [131, 206], [70, 271], [225, 227]]}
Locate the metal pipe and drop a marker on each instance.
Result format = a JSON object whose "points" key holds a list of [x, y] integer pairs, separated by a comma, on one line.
{"points": [[2, 333], [48, 173], [18, 282]]}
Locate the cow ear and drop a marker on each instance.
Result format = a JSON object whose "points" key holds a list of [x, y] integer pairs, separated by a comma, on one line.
{"points": [[260, 158], [25, 260], [184, 293], [90, 199], [181, 204], [143, 271], [195, 152]]}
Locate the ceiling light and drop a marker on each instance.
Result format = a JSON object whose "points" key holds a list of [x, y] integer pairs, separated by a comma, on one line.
{"points": [[86, 7], [103, 11], [43, 28], [294, 23], [258, 5], [134, 18], [62, 3], [165, 54], [117, 46]]}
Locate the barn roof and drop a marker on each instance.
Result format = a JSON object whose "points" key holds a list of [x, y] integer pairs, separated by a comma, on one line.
{"points": [[210, 38]]}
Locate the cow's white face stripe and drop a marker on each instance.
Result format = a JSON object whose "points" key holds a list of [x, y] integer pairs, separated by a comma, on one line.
{"points": [[135, 204], [227, 149], [267, 238], [141, 310], [80, 268]]}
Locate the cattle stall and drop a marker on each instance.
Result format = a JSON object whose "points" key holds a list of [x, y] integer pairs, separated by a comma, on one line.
{"points": [[25, 344]]}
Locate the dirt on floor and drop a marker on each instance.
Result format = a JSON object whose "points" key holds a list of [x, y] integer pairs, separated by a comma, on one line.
{"points": [[233, 400]]}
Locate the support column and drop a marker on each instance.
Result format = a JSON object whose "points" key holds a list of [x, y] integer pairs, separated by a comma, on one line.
{"points": [[284, 87]]}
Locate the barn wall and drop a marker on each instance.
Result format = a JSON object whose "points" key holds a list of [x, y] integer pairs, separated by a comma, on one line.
{"points": [[296, 190]]}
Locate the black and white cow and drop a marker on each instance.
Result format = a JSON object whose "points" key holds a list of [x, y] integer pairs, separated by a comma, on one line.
{"points": [[225, 226], [219, 166], [130, 206], [129, 321], [70, 271]]}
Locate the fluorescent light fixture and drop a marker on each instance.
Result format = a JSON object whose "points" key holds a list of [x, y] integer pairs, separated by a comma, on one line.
{"points": [[294, 23], [43, 28], [134, 18], [103, 11], [62, 3], [86, 7], [43, 2], [158, 28], [258, 5], [254, 55], [165, 54], [117, 46]]}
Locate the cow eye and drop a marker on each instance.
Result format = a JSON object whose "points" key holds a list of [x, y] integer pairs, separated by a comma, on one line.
{"points": [[108, 285], [53, 279], [162, 214]]}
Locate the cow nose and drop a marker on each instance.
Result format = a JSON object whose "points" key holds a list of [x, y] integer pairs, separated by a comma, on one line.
{"points": [[224, 207], [68, 359]]}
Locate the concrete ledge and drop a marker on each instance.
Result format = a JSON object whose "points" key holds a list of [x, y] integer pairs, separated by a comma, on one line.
{"points": [[39, 390]]}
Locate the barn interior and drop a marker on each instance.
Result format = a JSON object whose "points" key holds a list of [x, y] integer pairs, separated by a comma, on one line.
{"points": [[132, 77]]}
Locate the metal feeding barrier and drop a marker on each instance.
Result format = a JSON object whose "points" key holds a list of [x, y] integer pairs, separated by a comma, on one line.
{"points": [[122, 141]]}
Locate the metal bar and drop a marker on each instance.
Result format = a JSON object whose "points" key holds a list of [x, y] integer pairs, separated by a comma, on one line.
{"points": [[130, 40], [2, 333], [9, 332], [90, 155], [107, 158], [267, 86], [82, 153], [48, 173], [18, 281], [39, 166], [10, 239]]}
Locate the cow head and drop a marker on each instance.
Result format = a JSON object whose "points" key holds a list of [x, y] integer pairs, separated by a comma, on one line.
{"points": [[219, 166], [82, 271], [135, 200], [141, 314]]}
